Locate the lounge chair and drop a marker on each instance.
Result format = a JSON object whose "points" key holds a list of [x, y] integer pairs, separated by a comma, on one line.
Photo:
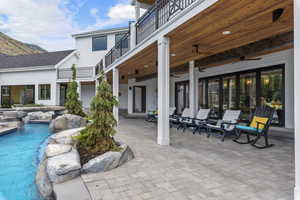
{"points": [[198, 122], [176, 120], [257, 128], [226, 126]]}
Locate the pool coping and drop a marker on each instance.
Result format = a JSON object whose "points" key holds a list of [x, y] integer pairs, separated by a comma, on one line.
{"points": [[7, 130]]}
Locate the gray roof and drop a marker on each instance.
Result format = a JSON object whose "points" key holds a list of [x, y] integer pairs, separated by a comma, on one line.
{"points": [[101, 32], [33, 60]]}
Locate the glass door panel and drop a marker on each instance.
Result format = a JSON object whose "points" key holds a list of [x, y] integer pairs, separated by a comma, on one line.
{"points": [[247, 94], [201, 94], [213, 97], [182, 96], [271, 93], [229, 93]]}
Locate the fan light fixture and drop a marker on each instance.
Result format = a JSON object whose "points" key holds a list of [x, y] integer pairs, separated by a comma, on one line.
{"points": [[226, 32]]}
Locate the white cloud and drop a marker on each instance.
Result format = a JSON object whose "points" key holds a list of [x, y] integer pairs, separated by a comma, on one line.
{"points": [[117, 14], [50, 23]]}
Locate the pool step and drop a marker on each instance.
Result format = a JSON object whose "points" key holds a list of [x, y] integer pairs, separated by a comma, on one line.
{"points": [[73, 190]]}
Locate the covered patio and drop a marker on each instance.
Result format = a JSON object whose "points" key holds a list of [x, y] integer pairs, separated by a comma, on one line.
{"points": [[195, 167]]}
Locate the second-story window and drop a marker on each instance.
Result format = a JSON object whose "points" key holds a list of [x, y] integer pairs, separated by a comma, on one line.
{"points": [[100, 43], [118, 38]]}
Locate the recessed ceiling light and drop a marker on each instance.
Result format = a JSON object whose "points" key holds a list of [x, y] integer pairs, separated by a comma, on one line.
{"points": [[173, 54], [226, 32]]}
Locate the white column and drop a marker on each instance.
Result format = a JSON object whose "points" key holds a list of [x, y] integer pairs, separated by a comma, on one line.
{"points": [[96, 86], [137, 10], [192, 82], [132, 36], [130, 95], [79, 89], [297, 96], [116, 92], [163, 84], [36, 93]]}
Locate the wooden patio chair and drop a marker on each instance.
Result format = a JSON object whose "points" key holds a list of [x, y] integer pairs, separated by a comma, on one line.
{"points": [[257, 128], [226, 126]]}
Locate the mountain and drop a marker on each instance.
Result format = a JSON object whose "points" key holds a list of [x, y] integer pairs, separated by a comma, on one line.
{"points": [[12, 47]]}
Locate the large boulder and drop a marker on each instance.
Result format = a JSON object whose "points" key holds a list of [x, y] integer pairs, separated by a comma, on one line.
{"points": [[43, 182], [67, 121], [102, 163], [14, 114], [39, 116], [57, 149], [65, 137], [64, 167]]}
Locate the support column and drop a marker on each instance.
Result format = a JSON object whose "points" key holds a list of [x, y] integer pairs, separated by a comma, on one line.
{"points": [[192, 92], [132, 35], [36, 93], [130, 95], [96, 86], [79, 89], [137, 10], [297, 97], [116, 92], [163, 84]]}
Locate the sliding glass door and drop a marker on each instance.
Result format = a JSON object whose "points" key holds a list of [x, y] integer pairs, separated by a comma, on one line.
{"points": [[182, 96], [213, 89], [244, 91], [272, 93], [247, 94]]}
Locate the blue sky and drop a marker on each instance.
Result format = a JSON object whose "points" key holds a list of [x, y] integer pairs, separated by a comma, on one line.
{"points": [[50, 23]]}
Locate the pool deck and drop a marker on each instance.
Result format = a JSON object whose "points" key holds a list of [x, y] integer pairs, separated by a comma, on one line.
{"points": [[194, 167]]}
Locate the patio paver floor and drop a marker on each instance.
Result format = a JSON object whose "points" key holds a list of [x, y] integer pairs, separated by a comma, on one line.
{"points": [[195, 167]]}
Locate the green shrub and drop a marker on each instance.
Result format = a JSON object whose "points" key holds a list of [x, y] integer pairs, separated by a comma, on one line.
{"points": [[97, 137], [73, 104]]}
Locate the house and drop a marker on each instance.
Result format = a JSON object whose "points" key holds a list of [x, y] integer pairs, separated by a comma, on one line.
{"points": [[42, 78]]}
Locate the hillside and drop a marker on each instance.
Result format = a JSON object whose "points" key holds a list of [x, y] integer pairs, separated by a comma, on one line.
{"points": [[12, 47]]}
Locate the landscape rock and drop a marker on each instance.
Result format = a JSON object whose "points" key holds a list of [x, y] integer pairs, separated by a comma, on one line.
{"points": [[14, 114], [57, 149], [102, 163], [67, 121], [65, 137], [43, 116], [43, 183], [64, 167], [127, 154]]}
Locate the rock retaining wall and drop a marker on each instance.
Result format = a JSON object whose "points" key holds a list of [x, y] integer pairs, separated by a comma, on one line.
{"points": [[61, 162]]}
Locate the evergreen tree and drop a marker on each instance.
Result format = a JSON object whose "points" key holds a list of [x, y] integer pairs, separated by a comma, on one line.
{"points": [[97, 137], [73, 104]]}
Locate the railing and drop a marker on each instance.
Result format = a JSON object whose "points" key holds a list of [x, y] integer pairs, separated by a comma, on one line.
{"points": [[81, 72], [159, 14], [122, 47], [156, 16]]}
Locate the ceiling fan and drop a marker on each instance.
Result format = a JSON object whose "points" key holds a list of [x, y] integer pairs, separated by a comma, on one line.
{"points": [[244, 58]]}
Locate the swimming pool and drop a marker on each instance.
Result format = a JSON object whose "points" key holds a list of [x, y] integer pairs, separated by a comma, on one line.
{"points": [[19, 157]]}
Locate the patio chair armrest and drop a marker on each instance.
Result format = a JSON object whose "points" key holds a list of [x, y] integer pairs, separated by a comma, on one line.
{"points": [[229, 123], [201, 121], [211, 122]]}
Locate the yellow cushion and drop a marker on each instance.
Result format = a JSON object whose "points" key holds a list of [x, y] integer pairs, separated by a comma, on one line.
{"points": [[258, 119]]}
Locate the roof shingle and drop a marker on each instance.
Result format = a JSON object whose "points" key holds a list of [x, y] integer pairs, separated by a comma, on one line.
{"points": [[33, 60]]}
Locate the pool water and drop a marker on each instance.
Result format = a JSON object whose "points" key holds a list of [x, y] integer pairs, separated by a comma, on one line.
{"points": [[19, 158]]}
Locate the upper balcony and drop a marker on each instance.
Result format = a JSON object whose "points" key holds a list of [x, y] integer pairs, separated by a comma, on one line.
{"points": [[157, 15], [81, 73]]}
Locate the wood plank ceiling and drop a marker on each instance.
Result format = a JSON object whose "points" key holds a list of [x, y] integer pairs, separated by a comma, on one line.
{"points": [[150, 2], [247, 21]]}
